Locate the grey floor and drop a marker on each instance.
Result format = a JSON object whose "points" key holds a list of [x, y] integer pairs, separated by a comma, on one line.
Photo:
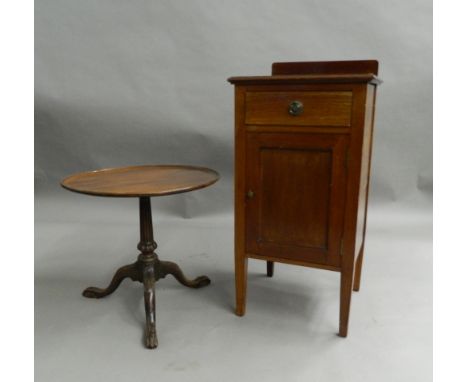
{"points": [[288, 333]]}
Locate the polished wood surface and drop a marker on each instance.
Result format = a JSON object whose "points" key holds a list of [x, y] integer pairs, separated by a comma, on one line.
{"points": [[301, 181], [293, 179], [319, 108], [364, 184], [137, 181], [144, 182], [326, 67], [296, 79]]}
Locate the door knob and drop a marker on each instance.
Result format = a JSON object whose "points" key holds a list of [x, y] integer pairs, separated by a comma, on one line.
{"points": [[296, 108], [250, 194]]}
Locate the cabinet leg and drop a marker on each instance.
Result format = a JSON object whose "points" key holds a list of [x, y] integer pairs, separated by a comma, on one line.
{"points": [[270, 268], [345, 301], [357, 272], [241, 284]]}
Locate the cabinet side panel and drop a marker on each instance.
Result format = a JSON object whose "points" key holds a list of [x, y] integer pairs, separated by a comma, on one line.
{"points": [[365, 167], [239, 173], [353, 180]]}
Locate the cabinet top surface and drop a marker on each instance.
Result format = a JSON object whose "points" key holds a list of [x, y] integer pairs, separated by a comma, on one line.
{"points": [[306, 79], [305, 72], [140, 181]]}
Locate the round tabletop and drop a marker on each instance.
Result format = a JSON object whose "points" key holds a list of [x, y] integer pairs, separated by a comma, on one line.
{"points": [[141, 181]]}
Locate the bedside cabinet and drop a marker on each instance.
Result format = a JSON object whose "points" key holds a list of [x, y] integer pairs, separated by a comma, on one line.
{"points": [[303, 142]]}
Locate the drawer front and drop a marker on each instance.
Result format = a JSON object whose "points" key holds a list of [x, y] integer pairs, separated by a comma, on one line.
{"points": [[312, 108]]}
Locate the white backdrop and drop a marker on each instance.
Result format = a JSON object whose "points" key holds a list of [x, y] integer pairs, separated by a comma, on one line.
{"points": [[126, 82]]}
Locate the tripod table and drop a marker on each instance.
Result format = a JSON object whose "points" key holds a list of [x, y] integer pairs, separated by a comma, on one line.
{"points": [[143, 182]]}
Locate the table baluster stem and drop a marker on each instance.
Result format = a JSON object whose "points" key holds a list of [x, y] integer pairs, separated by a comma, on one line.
{"points": [[148, 259]]}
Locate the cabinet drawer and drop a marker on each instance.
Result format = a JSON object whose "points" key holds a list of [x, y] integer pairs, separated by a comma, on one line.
{"points": [[312, 108]]}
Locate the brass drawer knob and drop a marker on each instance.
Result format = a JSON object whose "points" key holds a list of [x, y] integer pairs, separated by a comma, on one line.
{"points": [[250, 194], [296, 108]]}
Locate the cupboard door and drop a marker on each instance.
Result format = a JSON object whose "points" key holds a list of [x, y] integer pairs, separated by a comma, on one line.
{"points": [[295, 195]]}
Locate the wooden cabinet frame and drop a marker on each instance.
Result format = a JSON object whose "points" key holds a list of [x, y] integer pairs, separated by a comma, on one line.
{"points": [[333, 129]]}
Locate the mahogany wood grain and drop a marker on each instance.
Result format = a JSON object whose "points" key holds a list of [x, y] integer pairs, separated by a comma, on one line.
{"points": [[241, 260], [301, 182], [365, 182], [144, 181], [358, 269], [292, 262], [295, 180], [307, 79], [352, 206], [140, 181], [326, 67], [297, 129], [319, 108]]}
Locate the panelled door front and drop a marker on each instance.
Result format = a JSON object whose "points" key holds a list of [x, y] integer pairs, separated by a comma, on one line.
{"points": [[295, 195]]}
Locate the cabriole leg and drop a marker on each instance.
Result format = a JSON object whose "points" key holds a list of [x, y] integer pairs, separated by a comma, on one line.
{"points": [[170, 268], [151, 339], [130, 271]]}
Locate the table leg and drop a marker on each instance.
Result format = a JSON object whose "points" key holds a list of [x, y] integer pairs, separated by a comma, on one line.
{"points": [[150, 306], [130, 271], [148, 269], [170, 268]]}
